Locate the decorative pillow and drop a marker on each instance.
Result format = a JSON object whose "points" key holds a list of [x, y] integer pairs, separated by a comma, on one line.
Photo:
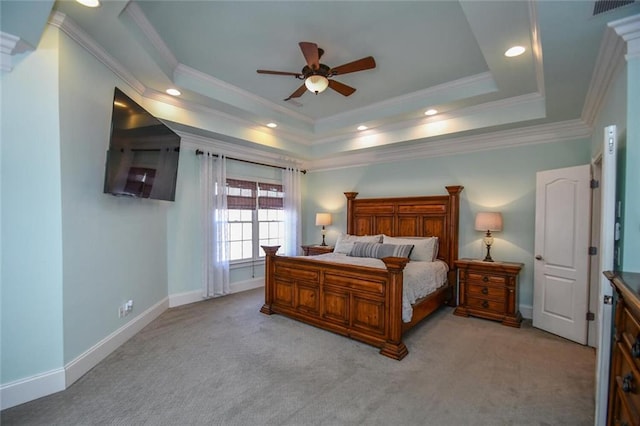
{"points": [[379, 250], [424, 249], [345, 242]]}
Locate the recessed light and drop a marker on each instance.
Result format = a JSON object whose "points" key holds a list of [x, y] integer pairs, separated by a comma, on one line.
{"points": [[361, 128], [514, 51], [431, 112], [89, 3], [272, 125], [173, 92]]}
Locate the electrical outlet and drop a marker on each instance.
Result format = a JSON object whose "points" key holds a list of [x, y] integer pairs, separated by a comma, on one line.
{"points": [[128, 307], [121, 311]]}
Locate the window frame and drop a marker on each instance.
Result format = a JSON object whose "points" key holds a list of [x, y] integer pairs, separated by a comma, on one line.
{"points": [[257, 256]]}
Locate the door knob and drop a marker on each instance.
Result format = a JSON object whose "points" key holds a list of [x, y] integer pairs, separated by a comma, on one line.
{"points": [[538, 257]]}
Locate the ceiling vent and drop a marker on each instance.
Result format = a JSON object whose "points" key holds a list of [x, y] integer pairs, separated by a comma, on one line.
{"points": [[601, 6]]}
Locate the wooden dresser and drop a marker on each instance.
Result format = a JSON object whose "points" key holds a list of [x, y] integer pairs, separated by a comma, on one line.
{"points": [[489, 290], [624, 378], [314, 250]]}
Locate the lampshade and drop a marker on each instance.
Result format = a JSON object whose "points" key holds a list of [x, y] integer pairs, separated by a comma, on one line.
{"points": [[489, 221], [323, 219], [316, 83]]}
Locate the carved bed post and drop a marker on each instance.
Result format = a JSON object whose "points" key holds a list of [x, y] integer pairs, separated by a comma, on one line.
{"points": [[394, 347], [350, 225], [452, 220], [270, 251]]}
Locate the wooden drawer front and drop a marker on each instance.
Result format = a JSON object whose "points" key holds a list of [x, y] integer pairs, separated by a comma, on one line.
{"points": [[627, 384], [497, 306], [283, 271], [489, 279], [307, 299], [368, 314], [336, 306], [283, 293], [486, 292], [345, 281]]}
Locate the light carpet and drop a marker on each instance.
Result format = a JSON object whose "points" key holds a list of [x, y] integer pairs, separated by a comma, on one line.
{"points": [[221, 362]]}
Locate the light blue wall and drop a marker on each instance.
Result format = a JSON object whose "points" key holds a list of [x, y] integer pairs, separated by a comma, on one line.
{"points": [[631, 225], [501, 179], [184, 236], [114, 249], [32, 327]]}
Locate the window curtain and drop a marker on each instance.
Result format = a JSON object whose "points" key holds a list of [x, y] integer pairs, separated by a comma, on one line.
{"points": [[292, 211], [215, 226]]}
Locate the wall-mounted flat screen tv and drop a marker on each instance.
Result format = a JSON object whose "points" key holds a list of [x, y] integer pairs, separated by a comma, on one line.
{"points": [[142, 160]]}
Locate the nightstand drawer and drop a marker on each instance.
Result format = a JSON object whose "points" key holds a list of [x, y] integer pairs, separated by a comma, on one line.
{"points": [[486, 291], [496, 306], [486, 278]]}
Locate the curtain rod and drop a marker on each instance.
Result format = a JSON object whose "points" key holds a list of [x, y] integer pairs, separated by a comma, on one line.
{"points": [[199, 152]]}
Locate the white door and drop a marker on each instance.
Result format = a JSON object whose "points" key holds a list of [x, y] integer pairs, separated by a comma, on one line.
{"points": [[561, 270]]}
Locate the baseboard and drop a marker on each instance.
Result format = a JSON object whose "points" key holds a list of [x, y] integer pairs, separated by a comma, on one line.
{"points": [[34, 387], [196, 296], [90, 358], [30, 388], [526, 311]]}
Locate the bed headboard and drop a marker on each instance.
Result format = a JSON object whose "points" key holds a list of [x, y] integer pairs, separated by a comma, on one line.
{"points": [[435, 215]]}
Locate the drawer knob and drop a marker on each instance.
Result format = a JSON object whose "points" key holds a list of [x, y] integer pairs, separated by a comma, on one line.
{"points": [[635, 348], [485, 278], [485, 290], [627, 383], [485, 304]]}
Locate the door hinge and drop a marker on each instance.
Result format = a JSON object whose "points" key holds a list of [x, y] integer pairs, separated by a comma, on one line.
{"points": [[593, 251], [594, 184], [591, 316]]}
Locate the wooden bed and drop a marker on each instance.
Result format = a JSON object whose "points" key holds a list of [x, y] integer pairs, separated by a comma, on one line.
{"points": [[360, 302]]}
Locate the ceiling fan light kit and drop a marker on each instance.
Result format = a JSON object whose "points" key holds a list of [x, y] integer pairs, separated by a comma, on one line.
{"points": [[317, 76], [316, 83]]}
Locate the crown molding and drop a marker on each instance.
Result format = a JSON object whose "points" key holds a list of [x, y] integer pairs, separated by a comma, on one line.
{"points": [[212, 112], [629, 29], [498, 105], [462, 84], [66, 24], [219, 85], [608, 63], [133, 10], [533, 135], [192, 141], [8, 47]]}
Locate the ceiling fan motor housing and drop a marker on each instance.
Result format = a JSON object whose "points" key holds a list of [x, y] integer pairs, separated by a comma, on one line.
{"points": [[322, 70]]}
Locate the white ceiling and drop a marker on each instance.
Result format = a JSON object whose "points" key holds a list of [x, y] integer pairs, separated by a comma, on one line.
{"points": [[446, 55]]}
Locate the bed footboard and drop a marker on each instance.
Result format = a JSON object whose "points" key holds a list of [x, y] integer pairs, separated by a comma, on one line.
{"points": [[359, 302]]}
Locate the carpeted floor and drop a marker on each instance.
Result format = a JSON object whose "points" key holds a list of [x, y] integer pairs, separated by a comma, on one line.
{"points": [[221, 362]]}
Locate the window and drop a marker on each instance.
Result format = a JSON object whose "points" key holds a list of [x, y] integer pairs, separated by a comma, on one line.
{"points": [[256, 217]]}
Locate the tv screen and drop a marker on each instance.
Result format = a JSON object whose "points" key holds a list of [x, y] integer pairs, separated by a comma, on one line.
{"points": [[142, 160]]}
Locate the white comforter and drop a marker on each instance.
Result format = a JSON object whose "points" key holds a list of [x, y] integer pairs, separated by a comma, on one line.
{"points": [[419, 279]]}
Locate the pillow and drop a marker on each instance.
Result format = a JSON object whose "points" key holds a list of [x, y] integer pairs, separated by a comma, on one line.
{"points": [[345, 242], [424, 249], [379, 250]]}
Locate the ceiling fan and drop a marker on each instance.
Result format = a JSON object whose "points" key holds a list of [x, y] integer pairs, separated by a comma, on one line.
{"points": [[317, 76]]}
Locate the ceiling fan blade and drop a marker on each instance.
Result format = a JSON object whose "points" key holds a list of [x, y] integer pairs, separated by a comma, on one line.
{"points": [[359, 65], [311, 54], [341, 88], [295, 74], [297, 93]]}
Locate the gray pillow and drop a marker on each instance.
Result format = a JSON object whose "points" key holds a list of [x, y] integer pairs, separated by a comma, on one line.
{"points": [[379, 250]]}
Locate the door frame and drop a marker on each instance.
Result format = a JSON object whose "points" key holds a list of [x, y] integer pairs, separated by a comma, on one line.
{"points": [[606, 249]]}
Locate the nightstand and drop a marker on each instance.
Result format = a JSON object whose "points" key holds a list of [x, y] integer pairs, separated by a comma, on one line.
{"points": [[489, 290], [313, 250]]}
